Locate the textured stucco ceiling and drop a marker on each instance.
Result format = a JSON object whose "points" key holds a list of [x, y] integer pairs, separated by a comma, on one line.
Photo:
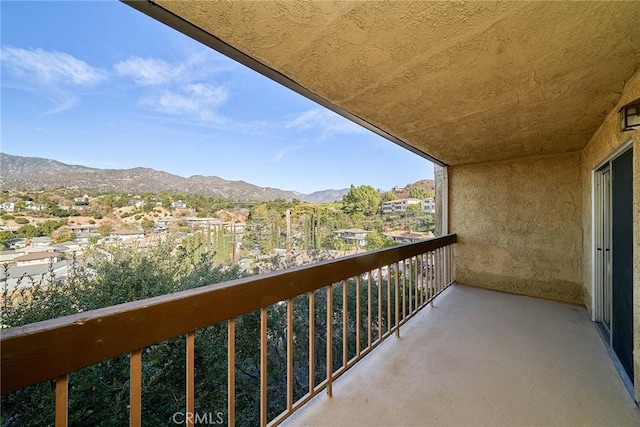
{"points": [[463, 82]]}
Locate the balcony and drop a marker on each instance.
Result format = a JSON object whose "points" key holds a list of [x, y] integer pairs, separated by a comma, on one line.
{"points": [[410, 346], [482, 357]]}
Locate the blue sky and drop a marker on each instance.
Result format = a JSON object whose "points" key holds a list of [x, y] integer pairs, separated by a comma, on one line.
{"points": [[102, 85]]}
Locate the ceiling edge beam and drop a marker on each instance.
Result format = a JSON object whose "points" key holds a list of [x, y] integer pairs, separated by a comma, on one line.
{"points": [[154, 10]]}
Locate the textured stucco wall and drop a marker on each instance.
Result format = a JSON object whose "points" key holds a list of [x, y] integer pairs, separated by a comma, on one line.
{"points": [[605, 141], [519, 225], [438, 74]]}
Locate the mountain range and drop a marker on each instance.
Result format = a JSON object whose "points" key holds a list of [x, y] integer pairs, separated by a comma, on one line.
{"points": [[27, 173]]}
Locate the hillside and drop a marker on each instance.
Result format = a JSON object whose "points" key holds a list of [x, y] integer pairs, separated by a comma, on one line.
{"points": [[36, 173]]}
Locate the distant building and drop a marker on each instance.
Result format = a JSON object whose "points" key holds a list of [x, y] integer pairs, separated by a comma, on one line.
{"points": [[428, 206], [83, 199], [179, 205], [8, 206], [37, 258], [355, 236], [398, 207], [30, 206], [17, 243], [402, 236], [77, 229], [41, 241], [126, 235]]}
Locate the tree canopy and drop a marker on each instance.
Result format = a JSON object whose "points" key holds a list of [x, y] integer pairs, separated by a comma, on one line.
{"points": [[363, 200]]}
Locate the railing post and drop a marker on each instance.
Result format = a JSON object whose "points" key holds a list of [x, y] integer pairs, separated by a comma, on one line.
{"points": [[263, 366], [330, 340], [345, 321], [62, 400], [191, 380], [135, 389], [231, 372], [397, 279], [312, 342], [289, 354]]}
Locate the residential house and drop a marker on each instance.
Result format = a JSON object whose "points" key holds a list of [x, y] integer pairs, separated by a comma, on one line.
{"points": [[399, 206], [402, 236], [178, 205], [428, 206], [17, 243], [354, 236], [36, 258], [41, 241], [126, 235], [8, 206], [32, 206], [86, 228]]}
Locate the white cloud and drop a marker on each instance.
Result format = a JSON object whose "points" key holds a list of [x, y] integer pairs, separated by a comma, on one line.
{"points": [[147, 71], [324, 121], [151, 71], [50, 67], [284, 150], [190, 100], [50, 74]]}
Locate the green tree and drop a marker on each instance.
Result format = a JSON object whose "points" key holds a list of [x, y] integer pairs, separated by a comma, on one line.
{"points": [[419, 193], [388, 196], [377, 240], [363, 200], [5, 236]]}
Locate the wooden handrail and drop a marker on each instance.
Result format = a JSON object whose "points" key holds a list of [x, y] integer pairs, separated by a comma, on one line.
{"points": [[44, 350]]}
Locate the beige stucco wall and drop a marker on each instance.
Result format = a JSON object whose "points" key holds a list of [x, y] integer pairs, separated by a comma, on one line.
{"points": [[603, 143], [519, 225]]}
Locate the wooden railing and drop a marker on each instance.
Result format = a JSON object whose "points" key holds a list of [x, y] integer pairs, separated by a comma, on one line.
{"points": [[414, 274]]}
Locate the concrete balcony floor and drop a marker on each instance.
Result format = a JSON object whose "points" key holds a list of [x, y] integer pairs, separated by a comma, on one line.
{"points": [[482, 358]]}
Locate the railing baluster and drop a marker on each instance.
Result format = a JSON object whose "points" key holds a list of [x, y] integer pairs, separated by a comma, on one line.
{"points": [[404, 290], [453, 264], [312, 342], [379, 305], [62, 400], [345, 321], [431, 269], [358, 315], [191, 383], [289, 354], [263, 366], [397, 307], [416, 279], [231, 372], [410, 286], [422, 277], [389, 299], [330, 340], [369, 305], [135, 388]]}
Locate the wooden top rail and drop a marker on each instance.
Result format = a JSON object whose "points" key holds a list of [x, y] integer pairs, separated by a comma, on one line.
{"points": [[44, 350]]}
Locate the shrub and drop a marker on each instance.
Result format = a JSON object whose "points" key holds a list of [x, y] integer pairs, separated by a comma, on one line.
{"points": [[7, 217], [22, 221]]}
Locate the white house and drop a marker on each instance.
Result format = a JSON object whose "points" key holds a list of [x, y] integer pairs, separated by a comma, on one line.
{"points": [[398, 207], [355, 236], [179, 205], [127, 235], [428, 206], [402, 236], [37, 258], [8, 206]]}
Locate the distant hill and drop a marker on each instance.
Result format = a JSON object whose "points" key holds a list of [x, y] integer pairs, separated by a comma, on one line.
{"points": [[28, 173], [35, 173]]}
